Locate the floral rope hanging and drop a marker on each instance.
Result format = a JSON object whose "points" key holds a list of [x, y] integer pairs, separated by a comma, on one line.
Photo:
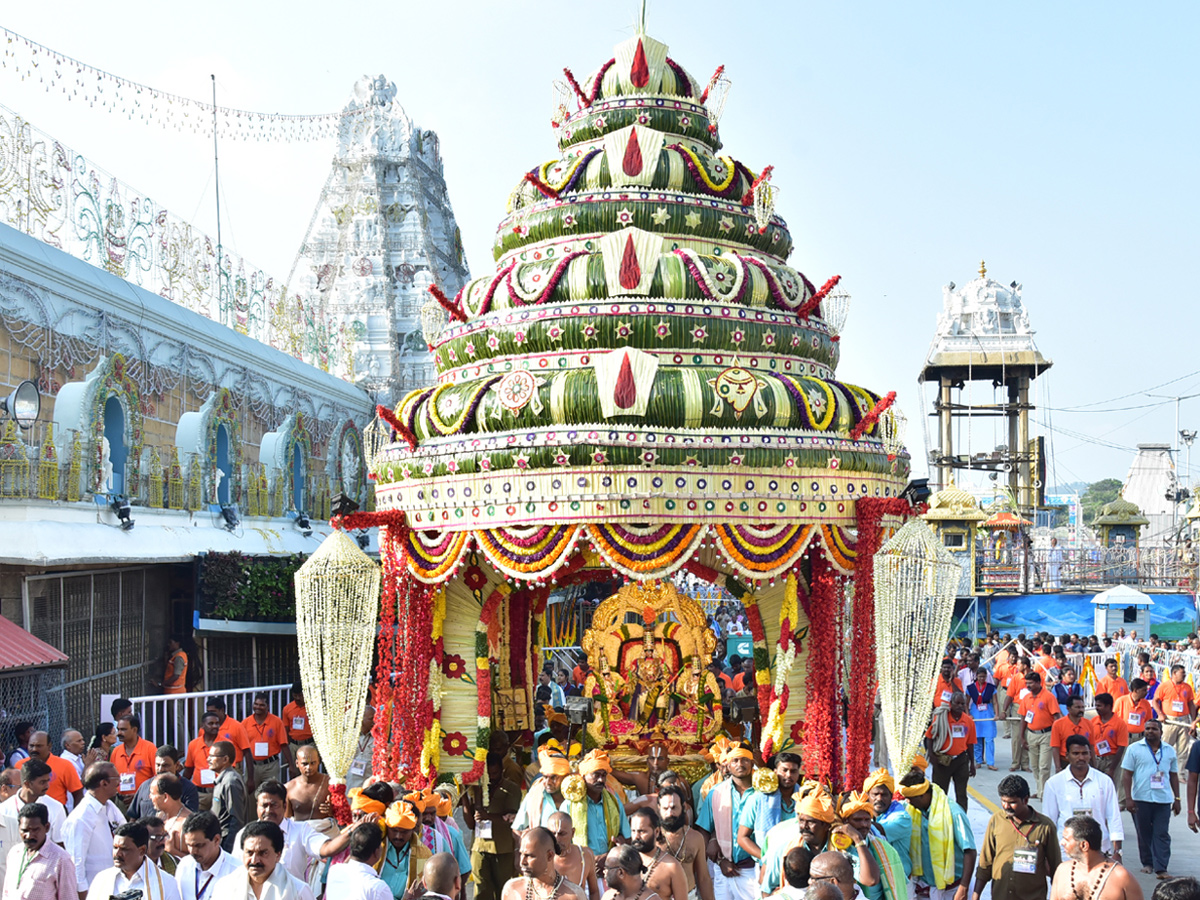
{"points": [[384, 758], [821, 725], [337, 596], [860, 717], [790, 644], [916, 580]]}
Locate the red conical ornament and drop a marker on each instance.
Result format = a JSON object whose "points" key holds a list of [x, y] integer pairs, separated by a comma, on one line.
{"points": [[631, 272], [625, 392], [639, 72], [632, 163]]}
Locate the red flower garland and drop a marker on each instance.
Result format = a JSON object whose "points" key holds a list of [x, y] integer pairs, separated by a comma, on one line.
{"points": [[583, 100], [811, 304], [869, 420], [870, 512], [391, 545], [341, 806], [397, 426], [454, 307], [821, 724], [748, 197], [545, 189], [711, 83], [416, 627]]}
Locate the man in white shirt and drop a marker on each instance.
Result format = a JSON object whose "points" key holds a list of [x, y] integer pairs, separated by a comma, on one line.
{"points": [[1080, 790], [35, 781], [261, 877], [10, 783], [88, 831], [75, 752], [206, 863], [356, 878], [132, 869], [301, 842]]}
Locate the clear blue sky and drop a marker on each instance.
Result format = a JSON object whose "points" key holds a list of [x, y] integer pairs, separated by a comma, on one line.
{"points": [[1055, 140]]}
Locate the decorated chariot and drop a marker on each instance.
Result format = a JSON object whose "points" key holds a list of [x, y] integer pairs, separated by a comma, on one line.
{"points": [[644, 386]]}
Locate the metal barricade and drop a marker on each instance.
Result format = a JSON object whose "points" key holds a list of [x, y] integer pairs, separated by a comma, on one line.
{"points": [[175, 718]]}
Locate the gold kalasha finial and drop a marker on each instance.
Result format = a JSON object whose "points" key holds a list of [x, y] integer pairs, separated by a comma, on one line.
{"points": [[982, 269]]}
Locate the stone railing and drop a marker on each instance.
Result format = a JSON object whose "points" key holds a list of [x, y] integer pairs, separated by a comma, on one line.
{"points": [[1086, 569], [34, 467]]}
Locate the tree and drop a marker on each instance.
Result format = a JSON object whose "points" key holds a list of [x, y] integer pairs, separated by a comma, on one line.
{"points": [[1097, 494]]}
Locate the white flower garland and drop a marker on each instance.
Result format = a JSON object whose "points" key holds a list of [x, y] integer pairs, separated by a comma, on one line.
{"points": [[337, 603], [916, 580]]}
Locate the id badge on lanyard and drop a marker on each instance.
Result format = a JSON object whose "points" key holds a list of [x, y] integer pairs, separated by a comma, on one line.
{"points": [[1025, 861]]}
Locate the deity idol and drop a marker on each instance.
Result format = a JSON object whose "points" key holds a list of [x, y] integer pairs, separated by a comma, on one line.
{"points": [[650, 695], [694, 700], [607, 687]]}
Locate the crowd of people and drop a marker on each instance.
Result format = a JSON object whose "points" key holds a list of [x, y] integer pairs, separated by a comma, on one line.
{"points": [[245, 810]]}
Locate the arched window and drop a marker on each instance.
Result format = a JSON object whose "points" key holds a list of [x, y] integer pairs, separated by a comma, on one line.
{"points": [[114, 432], [297, 477], [223, 464]]}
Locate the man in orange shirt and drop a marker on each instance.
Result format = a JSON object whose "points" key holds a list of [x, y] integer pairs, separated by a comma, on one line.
{"points": [[1174, 704], [64, 779], [195, 763], [1112, 683], [1038, 710], [1000, 672], [1134, 709], [1016, 690], [735, 681], [1109, 740], [295, 720], [954, 756], [231, 730], [945, 686], [268, 741], [134, 758], [1073, 723]]}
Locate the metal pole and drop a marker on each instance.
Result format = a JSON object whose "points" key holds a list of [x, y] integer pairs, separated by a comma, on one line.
{"points": [[217, 185]]}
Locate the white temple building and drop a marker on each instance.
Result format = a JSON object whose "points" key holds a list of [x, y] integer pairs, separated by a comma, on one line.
{"points": [[984, 322], [983, 336], [1151, 478], [383, 231]]}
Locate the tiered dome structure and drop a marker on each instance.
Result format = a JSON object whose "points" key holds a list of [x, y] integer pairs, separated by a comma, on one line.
{"points": [[643, 384], [643, 354]]}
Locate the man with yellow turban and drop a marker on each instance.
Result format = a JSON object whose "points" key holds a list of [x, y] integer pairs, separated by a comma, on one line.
{"points": [[719, 815], [406, 855], [891, 815], [857, 812], [545, 794], [713, 755], [943, 847], [812, 830], [444, 795], [599, 817], [426, 806]]}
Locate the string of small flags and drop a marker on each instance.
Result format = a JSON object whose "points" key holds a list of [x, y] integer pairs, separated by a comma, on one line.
{"points": [[78, 81]]}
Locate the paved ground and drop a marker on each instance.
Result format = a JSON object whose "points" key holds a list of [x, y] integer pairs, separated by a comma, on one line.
{"points": [[1185, 846]]}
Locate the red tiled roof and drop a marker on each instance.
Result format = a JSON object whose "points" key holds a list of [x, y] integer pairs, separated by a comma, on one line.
{"points": [[21, 650]]}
